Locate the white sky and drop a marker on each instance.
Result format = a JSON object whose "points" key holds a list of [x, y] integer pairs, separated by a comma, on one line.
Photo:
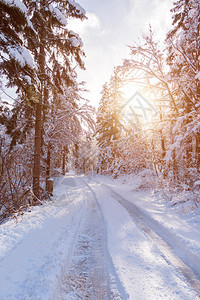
{"points": [[111, 26]]}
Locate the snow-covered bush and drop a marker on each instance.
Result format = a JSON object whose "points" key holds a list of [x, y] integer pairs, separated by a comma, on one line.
{"points": [[15, 176], [143, 180]]}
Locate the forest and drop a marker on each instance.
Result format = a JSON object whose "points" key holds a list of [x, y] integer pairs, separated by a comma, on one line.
{"points": [[50, 128]]}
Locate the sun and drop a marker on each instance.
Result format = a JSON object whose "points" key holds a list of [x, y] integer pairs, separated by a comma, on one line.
{"points": [[138, 108]]}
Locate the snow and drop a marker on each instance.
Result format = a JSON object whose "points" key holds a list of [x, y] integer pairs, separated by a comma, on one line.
{"points": [[28, 79], [22, 56], [85, 245], [58, 15], [197, 76], [3, 38], [80, 10], [140, 266], [16, 3], [21, 7], [74, 41], [180, 226], [33, 247], [197, 183]]}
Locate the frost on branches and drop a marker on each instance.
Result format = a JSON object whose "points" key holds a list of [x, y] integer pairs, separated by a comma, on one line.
{"points": [[39, 56], [170, 145]]}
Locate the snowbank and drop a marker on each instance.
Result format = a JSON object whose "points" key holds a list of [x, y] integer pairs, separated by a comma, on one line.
{"points": [[34, 247]]}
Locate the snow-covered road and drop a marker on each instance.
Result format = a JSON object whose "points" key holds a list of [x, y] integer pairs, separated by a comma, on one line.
{"points": [[88, 272], [90, 243], [154, 231]]}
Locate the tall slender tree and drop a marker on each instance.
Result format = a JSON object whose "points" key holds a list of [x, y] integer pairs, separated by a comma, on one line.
{"points": [[183, 43], [109, 121], [52, 52]]}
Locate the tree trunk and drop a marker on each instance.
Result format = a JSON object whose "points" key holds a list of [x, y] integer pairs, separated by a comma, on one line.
{"points": [[198, 91], [38, 121], [84, 167], [37, 151], [173, 155], [153, 158], [162, 143], [198, 151], [76, 163], [63, 161], [48, 165]]}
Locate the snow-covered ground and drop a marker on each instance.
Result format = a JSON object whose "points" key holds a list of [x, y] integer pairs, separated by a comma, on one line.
{"points": [[153, 260], [91, 243], [34, 247], [178, 226]]}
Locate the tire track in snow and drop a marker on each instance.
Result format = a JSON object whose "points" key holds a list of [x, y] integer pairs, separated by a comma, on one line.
{"points": [[167, 250], [117, 291], [86, 273], [66, 263]]}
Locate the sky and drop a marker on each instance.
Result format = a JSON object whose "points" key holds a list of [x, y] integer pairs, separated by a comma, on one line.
{"points": [[112, 25]]}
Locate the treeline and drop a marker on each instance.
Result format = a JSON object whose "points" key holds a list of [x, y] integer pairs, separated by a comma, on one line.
{"points": [[39, 129], [170, 75]]}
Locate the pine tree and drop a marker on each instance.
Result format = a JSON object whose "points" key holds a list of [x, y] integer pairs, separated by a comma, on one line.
{"points": [[109, 123], [183, 43], [53, 51], [16, 61]]}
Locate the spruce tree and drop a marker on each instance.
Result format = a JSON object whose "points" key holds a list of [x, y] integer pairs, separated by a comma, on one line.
{"points": [[183, 43], [16, 61], [53, 51], [109, 122]]}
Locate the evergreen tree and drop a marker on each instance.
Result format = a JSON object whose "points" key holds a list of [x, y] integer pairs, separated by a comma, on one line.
{"points": [[16, 61], [109, 122], [183, 43], [53, 51]]}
